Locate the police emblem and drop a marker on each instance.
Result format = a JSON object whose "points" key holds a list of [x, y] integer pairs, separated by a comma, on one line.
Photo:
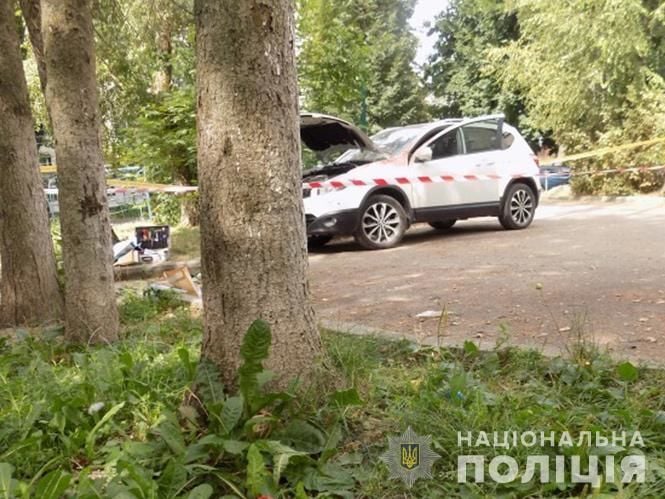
{"points": [[409, 457]]}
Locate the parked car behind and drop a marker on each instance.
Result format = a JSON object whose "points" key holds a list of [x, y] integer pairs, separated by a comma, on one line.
{"points": [[553, 176], [437, 173]]}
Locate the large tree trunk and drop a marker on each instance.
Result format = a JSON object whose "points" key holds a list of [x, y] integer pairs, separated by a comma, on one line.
{"points": [[90, 307], [29, 291], [252, 223], [32, 15]]}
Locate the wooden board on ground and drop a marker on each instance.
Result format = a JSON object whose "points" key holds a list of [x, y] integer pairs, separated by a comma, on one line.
{"points": [[181, 278]]}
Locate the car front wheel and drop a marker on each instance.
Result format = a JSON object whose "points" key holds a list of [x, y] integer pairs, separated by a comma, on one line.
{"points": [[382, 223], [519, 207]]}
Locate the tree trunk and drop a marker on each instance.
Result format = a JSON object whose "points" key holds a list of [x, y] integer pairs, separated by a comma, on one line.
{"points": [[162, 79], [29, 290], [32, 15], [252, 223], [90, 306]]}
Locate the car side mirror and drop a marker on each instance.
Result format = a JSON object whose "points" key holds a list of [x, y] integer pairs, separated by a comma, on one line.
{"points": [[423, 155]]}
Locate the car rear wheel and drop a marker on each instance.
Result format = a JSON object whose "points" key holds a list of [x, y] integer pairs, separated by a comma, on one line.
{"points": [[382, 223], [519, 207], [443, 224]]}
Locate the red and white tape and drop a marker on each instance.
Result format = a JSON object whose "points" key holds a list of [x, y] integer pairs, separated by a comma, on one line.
{"points": [[449, 178], [438, 179]]}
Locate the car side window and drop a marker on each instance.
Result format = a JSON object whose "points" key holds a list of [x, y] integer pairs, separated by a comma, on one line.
{"points": [[481, 136], [447, 145]]}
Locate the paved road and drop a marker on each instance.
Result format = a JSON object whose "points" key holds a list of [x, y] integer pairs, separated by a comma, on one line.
{"points": [[596, 267]]}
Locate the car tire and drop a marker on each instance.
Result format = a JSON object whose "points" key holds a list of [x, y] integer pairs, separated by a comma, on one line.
{"points": [[519, 207], [382, 223], [316, 242], [443, 224]]}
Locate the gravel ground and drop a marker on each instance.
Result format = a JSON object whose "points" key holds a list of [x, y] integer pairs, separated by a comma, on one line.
{"points": [[596, 269]]}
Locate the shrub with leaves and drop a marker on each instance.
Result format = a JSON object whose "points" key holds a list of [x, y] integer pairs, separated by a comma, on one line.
{"points": [[143, 418]]}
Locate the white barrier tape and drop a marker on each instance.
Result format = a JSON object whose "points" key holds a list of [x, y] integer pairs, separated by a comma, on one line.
{"points": [[129, 187], [450, 178], [639, 169]]}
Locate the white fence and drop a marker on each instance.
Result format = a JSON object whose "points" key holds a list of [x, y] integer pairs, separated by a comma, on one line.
{"points": [[116, 198]]}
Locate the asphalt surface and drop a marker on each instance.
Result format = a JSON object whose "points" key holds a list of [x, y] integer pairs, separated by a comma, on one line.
{"points": [[595, 270]]}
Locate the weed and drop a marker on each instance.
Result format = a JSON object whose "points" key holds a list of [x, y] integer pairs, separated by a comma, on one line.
{"points": [[144, 418]]}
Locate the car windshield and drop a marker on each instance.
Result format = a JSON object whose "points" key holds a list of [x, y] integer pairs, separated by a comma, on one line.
{"points": [[389, 142]]}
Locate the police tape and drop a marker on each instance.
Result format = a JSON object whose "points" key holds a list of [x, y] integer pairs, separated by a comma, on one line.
{"points": [[121, 186], [636, 169], [451, 178], [128, 185], [605, 150]]}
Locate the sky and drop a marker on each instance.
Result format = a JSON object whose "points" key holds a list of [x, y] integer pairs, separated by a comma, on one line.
{"points": [[426, 10]]}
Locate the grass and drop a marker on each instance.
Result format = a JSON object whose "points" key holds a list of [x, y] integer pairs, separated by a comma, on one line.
{"points": [[110, 421], [186, 243], [441, 392]]}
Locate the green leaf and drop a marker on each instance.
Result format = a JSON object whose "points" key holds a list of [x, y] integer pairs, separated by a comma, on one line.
{"points": [[300, 491], [256, 470], [254, 350], [256, 343], [90, 438], [235, 447], [231, 413], [190, 367], [345, 398], [172, 435], [173, 479], [208, 384], [627, 372], [53, 485], [330, 478], [304, 437], [470, 348], [6, 471], [281, 456], [203, 491]]}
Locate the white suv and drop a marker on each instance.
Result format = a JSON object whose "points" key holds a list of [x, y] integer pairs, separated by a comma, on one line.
{"points": [[436, 173]]}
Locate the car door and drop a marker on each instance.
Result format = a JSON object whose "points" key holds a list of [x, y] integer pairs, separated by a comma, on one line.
{"points": [[431, 190], [483, 160]]}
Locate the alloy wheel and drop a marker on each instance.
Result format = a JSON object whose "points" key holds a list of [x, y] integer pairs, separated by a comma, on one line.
{"points": [[521, 207], [381, 223]]}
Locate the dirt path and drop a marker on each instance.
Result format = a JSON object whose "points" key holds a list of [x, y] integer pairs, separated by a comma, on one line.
{"points": [[601, 264]]}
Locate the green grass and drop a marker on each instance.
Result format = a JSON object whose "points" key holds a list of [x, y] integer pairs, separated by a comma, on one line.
{"points": [[443, 392], [186, 243], [146, 441]]}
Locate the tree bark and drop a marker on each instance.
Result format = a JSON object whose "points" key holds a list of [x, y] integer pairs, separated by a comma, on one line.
{"points": [[32, 15], [29, 290], [164, 75], [71, 92], [252, 223]]}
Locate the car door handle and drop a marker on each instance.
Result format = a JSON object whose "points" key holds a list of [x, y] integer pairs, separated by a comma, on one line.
{"points": [[489, 163]]}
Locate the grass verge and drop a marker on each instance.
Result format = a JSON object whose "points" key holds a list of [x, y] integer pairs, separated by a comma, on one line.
{"points": [[110, 421]]}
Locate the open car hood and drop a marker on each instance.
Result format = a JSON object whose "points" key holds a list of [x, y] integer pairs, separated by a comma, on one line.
{"points": [[320, 132]]}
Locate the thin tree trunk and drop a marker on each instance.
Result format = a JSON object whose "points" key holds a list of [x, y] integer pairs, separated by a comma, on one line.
{"points": [[29, 290], [90, 307], [163, 76], [252, 223], [32, 15]]}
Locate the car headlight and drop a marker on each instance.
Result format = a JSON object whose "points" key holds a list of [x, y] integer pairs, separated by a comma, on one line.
{"points": [[319, 191], [329, 189]]}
